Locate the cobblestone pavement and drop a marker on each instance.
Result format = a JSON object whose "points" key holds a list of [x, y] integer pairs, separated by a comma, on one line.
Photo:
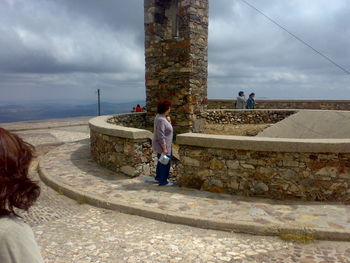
{"points": [[71, 165], [69, 232], [55, 136]]}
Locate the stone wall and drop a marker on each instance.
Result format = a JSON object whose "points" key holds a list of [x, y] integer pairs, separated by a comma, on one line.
{"points": [[128, 156], [267, 167], [122, 149], [225, 116], [135, 120], [176, 46], [285, 104], [246, 116]]}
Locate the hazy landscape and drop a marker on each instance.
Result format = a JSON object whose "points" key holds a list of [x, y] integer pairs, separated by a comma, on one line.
{"points": [[42, 111]]}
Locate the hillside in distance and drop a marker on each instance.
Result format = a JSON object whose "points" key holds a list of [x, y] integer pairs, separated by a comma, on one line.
{"points": [[42, 111]]}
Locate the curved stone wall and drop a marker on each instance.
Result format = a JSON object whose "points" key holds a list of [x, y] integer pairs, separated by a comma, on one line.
{"points": [[134, 120], [230, 116], [119, 148], [284, 104], [275, 168], [307, 169]]}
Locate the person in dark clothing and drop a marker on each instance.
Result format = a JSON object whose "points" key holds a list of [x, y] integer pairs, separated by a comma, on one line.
{"points": [[251, 101]]}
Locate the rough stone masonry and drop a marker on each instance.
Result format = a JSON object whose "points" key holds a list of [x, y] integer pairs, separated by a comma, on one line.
{"points": [[176, 48]]}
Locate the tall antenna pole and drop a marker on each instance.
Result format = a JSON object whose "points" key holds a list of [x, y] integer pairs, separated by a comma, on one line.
{"points": [[98, 102]]}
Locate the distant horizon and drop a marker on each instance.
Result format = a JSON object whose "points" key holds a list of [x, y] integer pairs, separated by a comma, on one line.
{"points": [[15, 112], [79, 102], [64, 102]]}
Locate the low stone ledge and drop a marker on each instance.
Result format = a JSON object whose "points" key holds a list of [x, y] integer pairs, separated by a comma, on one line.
{"points": [[100, 124], [264, 143], [284, 104], [134, 120], [244, 116]]}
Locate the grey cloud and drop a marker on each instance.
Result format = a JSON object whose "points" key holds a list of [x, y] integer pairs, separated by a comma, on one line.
{"points": [[39, 42], [249, 52], [69, 48]]}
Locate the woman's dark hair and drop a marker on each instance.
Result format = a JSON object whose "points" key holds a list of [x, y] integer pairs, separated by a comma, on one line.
{"points": [[252, 94], [240, 93], [16, 189], [163, 106]]}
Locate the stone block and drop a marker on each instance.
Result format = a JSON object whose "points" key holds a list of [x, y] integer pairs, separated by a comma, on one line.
{"points": [[151, 82], [232, 164], [191, 181], [149, 18], [216, 182], [119, 148], [196, 153], [146, 170], [216, 164], [213, 188], [261, 187], [344, 176], [190, 161], [128, 170], [128, 148], [289, 174], [204, 173], [328, 171], [291, 163], [247, 166], [233, 184]]}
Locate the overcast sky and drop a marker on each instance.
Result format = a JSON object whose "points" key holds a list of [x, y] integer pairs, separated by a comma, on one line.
{"points": [[66, 49]]}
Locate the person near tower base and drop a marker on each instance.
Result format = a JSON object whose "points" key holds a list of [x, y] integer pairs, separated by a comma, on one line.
{"points": [[162, 141]]}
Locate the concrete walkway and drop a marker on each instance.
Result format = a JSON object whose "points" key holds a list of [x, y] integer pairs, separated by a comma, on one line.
{"points": [[312, 124], [45, 124], [70, 170]]}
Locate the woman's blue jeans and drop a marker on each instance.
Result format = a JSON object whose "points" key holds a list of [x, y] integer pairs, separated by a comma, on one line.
{"points": [[162, 171]]}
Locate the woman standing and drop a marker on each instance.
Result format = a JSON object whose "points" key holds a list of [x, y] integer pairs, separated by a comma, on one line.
{"points": [[17, 243], [162, 140]]}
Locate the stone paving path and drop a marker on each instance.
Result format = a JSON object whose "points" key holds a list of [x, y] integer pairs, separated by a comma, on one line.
{"points": [[71, 167], [46, 124], [69, 232], [311, 124]]}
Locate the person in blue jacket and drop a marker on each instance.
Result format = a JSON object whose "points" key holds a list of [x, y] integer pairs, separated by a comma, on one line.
{"points": [[251, 101]]}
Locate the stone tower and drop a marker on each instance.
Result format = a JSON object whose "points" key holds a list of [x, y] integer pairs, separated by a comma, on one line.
{"points": [[176, 48]]}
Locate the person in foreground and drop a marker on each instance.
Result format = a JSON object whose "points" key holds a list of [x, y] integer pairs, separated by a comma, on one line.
{"points": [[17, 243], [162, 140]]}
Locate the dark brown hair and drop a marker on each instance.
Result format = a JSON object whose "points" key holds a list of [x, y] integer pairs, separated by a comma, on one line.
{"points": [[163, 106], [16, 189]]}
